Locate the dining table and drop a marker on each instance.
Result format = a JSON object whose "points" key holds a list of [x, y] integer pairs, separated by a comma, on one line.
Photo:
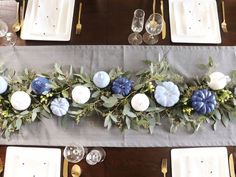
{"points": [[102, 43]]}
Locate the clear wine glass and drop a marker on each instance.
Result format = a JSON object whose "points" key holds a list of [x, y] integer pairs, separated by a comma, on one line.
{"points": [[137, 26], [74, 153], [153, 27], [6, 38], [3, 28], [95, 156]]}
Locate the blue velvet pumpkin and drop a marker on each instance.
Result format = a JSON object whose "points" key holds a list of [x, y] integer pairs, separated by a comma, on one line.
{"points": [[203, 101], [59, 106], [40, 85], [122, 86]]}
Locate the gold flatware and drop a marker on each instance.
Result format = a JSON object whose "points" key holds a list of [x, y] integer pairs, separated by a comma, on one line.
{"points": [[16, 25], [76, 171], [163, 34], [223, 24], [79, 26], [1, 166], [65, 168], [164, 167], [23, 14], [153, 23], [231, 165]]}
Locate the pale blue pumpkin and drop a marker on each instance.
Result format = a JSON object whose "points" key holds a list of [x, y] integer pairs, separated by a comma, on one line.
{"points": [[59, 106], [203, 101], [3, 85], [167, 94], [101, 79]]}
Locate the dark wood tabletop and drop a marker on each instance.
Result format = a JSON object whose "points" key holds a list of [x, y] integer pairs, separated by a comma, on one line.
{"points": [[107, 22]]}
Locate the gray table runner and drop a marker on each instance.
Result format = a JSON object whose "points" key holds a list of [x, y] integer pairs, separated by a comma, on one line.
{"points": [[90, 132]]}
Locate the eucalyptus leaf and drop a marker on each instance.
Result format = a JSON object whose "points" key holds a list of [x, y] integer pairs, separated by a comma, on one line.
{"points": [[58, 69], [18, 123], [127, 122]]}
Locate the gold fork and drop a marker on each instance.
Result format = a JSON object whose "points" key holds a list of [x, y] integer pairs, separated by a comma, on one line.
{"points": [[164, 167], [223, 24], [79, 26]]}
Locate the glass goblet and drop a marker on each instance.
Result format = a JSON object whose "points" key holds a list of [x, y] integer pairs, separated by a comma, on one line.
{"points": [[95, 156], [137, 26], [153, 27], [9, 39], [3, 28], [74, 153]]}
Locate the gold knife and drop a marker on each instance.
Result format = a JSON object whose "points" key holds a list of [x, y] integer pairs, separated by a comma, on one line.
{"points": [[1, 166], [65, 168], [163, 34], [23, 14], [231, 165]]}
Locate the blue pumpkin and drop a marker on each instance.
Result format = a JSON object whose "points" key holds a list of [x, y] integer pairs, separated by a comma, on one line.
{"points": [[122, 86], [40, 85], [167, 94], [59, 106], [203, 101]]}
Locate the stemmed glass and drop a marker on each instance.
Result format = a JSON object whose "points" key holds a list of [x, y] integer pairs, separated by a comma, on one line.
{"points": [[137, 26], [7, 38], [74, 153], [153, 27], [95, 156]]}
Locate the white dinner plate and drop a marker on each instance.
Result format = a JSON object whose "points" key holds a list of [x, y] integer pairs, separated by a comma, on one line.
{"points": [[49, 20], [200, 162], [32, 162], [194, 21]]}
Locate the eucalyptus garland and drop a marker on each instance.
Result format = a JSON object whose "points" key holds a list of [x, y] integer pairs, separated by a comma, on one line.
{"points": [[121, 99]]}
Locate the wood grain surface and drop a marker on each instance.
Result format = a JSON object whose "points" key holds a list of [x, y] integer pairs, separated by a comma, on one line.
{"points": [[108, 22]]}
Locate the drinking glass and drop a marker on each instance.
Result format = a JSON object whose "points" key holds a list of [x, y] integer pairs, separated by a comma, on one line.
{"points": [[6, 38], [74, 153], [95, 156], [153, 27], [3, 28], [137, 26]]}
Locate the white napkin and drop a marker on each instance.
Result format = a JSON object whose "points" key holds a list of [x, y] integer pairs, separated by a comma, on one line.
{"points": [[191, 17], [49, 17], [27, 167]]}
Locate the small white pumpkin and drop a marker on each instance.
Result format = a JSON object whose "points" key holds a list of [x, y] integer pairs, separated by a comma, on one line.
{"points": [[3, 85], [81, 94], [218, 80], [59, 106], [140, 102], [20, 100]]}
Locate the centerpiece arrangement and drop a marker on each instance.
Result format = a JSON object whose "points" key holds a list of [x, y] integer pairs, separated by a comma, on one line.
{"points": [[122, 99]]}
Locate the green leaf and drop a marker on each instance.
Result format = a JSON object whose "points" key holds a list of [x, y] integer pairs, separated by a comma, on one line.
{"points": [[155, 109], [4, 125], [18, 123], [138, 86], [96, 94], [58, 69], [214, 126], [107, 122], [152, 123], [224, 119], [114, 118], [217, 114], [127, 112], [127, 122], [65, 93], [109, 102], [46, 109]]}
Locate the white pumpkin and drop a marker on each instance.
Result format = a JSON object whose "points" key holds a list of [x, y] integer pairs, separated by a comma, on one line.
{"points": [[20, 100], [218, 80], [140, 102], [81, 94]]}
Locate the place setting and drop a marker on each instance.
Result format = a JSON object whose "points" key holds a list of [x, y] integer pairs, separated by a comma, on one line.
{"points": [[48, 162]]}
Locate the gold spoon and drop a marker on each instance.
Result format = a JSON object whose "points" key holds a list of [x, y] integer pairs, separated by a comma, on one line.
{"points": [[1, 166], [153, 23], [76, 171], [16, 26]]}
